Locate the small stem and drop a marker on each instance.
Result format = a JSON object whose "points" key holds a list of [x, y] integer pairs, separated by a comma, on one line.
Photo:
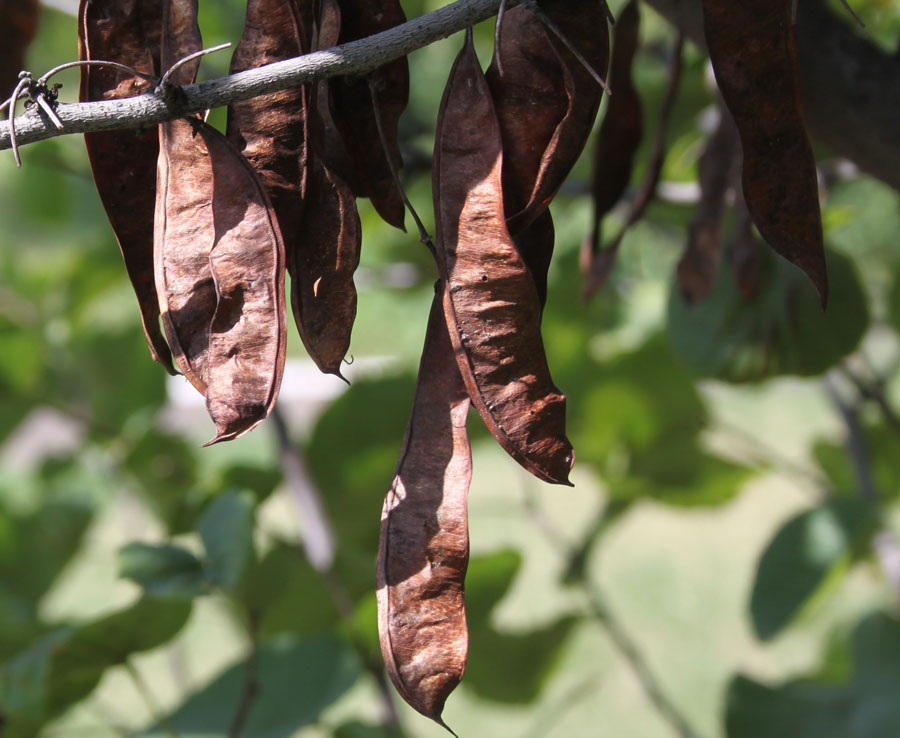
{"points": [[189, 58], [153, 707], [48, 109], [614, 629], [498, 29], [251, 678], [20, 87], [424, 236], [96, 63]]}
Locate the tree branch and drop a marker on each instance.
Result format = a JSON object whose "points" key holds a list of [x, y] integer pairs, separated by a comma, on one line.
{"points": [[850, 87], [355, 58]]}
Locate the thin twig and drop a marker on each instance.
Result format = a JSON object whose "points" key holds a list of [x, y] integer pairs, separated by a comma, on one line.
{"points": [[617, 633], [424, 236], [43, 79], [357, 58], [855, 442], [498, 29], [251, 678], [189, 58], [874, 391], [20, 87], [319, 543]]}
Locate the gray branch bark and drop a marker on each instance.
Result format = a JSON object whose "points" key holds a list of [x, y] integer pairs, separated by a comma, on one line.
{"points": [[356, 58], [850, 88]]}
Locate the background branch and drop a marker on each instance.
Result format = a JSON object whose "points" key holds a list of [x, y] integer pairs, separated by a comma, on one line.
{"points": [[355, 58], [850, 87]]}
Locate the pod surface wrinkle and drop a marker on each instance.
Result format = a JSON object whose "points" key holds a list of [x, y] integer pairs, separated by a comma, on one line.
{"points": [[123, 163], [754, 57], [247, 336], [424, 545], [491, 303]]}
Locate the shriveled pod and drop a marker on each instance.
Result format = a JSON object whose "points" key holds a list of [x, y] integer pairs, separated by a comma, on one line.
{"points": [[247, 336], [754, 57], [532, 98], [583, 24], [271, 130], [491, 303], [124, 162], [324, 259], [183, 230], [424, 546], [355, 113], [623, 124], [20, 20]]}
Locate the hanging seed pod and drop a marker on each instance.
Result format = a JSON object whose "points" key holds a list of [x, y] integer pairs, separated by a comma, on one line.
{"points": [[354, 113], [424, 547], [124, 162], [754, 57], [491, 303]]}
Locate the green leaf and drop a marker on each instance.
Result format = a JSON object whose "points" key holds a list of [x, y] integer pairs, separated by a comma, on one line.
{"points": [[289, 595], [780, 330], [163, 570], [807, 552], [863, 707], [65, 665], [639, 421], [506, 667], [353, 452], [357, 729], [296, 680], [226, 529]]}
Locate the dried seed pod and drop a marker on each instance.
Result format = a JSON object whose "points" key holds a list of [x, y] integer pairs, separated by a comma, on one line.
{"points": [[20, 20], [325, 257], [124, 162], [247, 336], [598, 266], [183, 236], [583, 23], [183, 228], [354, 113], [535, 244], [424, 546], [491, 303], [623, 124], [532, 97], [271, 130], [754, 56], [720, 160]]}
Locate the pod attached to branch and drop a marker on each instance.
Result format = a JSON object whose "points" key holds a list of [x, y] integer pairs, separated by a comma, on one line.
{"points": [[491, 304], [754, 56]]}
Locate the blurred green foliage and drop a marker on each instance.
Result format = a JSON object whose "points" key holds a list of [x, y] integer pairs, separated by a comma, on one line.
{"points": [[148, 586]]}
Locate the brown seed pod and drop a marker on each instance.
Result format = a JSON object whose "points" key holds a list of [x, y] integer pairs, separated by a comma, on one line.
{"points": [[271, 130], [247, 336], [623, 124], [754, 56], [699, 264], [491, 304], [324, 260], [353, 108], [424, 546], [20, 20], [124, 162], [583, 24], [532, 97]]}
